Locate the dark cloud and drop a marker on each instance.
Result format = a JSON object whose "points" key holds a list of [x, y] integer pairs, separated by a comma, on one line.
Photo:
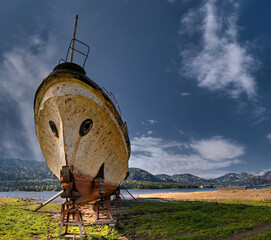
{"points": [[22, 70], [13, 137]]}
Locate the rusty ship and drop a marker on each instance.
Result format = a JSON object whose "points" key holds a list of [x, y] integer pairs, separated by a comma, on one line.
{"points": [[81, 133]]}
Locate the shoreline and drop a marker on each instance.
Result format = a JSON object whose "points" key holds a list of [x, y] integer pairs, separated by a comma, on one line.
{"points": [[225, 195]]}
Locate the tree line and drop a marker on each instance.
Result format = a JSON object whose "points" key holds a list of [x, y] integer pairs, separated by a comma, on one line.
{"points": [[54, 185], [31, 185]]}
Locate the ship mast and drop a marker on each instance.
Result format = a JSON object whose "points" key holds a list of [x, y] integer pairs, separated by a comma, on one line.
{"points": [[70, 53], [74, 35]]}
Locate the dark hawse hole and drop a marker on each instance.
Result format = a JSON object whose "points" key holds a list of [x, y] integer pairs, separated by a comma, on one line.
{"points": [[85, 127], [53, 128]]}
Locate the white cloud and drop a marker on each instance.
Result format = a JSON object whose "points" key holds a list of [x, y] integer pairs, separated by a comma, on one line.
{"points": [[190, 23], [218, 149], [187, 134], [259, 114], [220, 63], [263, 172], [268, 136], [22, 70], [182, 132], [150, 122], [159, 156], [149, 132], [185, 94]]}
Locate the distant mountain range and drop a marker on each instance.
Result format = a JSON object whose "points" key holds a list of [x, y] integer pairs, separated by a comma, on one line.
{"points": [[15, 171], [228, 179]]}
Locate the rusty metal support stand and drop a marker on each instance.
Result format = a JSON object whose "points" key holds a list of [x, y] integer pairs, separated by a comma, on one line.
{"points": [[103, 213], [116, 201], [68, 209]]}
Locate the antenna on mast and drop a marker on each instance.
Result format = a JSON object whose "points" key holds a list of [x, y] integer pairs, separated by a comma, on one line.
{"points": [[73, 39]]}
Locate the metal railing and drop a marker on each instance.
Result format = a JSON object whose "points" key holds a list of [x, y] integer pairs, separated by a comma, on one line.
{"points": [[71, 48], [113, 100]]}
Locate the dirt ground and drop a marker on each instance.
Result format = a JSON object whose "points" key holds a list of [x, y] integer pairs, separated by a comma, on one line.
{"points": [[220, 195]]}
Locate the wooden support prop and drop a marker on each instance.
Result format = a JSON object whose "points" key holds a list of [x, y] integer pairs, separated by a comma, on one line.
{"points": [[48, 201], [130, 194]]}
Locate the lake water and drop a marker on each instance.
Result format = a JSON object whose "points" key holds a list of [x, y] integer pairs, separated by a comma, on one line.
{"points": [[43, 196]]}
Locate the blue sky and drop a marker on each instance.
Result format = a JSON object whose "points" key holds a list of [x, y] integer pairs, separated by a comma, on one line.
{"points": [[191, 77]]}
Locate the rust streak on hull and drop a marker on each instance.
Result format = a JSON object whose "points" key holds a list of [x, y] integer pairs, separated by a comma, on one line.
{"points": [[89, 189]]}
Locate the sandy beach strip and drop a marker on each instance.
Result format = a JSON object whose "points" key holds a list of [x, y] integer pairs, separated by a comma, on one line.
{"points": [[220, 195]]}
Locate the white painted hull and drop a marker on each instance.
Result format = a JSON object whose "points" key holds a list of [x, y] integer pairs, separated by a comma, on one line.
{"points": [[66, 100]]}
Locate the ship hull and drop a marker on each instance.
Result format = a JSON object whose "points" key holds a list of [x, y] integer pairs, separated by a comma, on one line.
{"points": [[64, 101]]}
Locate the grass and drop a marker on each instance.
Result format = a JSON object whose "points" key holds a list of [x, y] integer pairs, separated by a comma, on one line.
{"points": [[19, 222], [150, 220], [195, 220], [263, 236]]}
